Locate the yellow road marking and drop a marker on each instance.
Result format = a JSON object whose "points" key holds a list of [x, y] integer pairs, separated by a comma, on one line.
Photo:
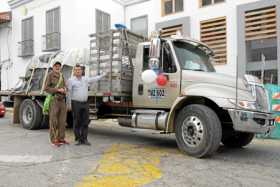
{"points": [[126, 166]]}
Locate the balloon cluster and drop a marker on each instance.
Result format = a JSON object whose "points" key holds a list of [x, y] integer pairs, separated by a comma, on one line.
{"points": [[149, 76]]}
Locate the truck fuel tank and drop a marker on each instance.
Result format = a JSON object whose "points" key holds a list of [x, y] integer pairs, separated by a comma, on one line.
{"points": [[146, 119]]}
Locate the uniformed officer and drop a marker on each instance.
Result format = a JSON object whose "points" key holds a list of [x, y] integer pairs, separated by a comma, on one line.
{"points": [[55, 85]]}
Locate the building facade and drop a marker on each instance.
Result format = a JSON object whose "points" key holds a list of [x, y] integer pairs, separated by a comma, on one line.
{"points": [[243, 33], [46, 26], [5, 47]]}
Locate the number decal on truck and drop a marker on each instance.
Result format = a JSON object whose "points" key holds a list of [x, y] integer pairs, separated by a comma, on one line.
{"points": [[156, 93]]}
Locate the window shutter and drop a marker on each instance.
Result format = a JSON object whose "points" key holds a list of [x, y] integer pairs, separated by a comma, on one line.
{"points": [[49, 22], [56, 19], [98, 21], [30, 29], [179, 5], [103, 21], [139, 25], [261, 23], [169, 31], [213, 33]]}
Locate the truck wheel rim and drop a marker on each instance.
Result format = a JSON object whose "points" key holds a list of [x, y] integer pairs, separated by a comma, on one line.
{"points": [[27, 114], [192, 131]]}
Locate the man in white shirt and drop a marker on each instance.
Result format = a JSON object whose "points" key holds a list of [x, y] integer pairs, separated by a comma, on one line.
{"points": [[78, 93]]}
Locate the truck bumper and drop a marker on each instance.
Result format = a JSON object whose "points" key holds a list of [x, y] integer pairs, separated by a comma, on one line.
{"points": [[249, 121]]}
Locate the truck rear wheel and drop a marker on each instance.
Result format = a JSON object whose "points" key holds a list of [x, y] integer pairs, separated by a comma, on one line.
{"points": [[238, 139], [198, 131], [30, 114]]}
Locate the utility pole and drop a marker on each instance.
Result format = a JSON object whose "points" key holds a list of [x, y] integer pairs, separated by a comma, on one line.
{"points": [[263, 68]]}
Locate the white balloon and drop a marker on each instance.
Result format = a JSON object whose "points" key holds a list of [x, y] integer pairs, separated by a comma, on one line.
{"points": [[149, 76]]}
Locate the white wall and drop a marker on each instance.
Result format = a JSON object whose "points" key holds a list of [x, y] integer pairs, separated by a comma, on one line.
{"points": [[5, 54], [152, 8], [85, 18], [77, 22]]}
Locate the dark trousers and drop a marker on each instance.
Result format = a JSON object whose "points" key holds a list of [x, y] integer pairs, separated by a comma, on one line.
{"points": [[80, 111]]}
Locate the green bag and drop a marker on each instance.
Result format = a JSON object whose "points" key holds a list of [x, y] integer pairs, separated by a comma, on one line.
{"points": [[50, 97], [47, 104]]}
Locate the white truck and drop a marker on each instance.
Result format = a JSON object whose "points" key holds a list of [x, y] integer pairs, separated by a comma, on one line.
{"points": [[203, 108]]}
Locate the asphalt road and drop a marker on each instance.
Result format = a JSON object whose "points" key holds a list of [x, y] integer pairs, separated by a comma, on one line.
{"points": [[128, 157]]}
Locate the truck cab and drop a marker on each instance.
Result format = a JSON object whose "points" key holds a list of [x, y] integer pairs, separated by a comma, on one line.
{"points": [[203, 108]]}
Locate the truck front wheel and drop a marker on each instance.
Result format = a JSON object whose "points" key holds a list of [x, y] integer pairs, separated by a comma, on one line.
{"points": [[238, 139], [30, 114], [198, 130]]}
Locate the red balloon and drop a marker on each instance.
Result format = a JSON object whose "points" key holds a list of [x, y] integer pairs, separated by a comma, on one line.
{"points": [[161, 80]]}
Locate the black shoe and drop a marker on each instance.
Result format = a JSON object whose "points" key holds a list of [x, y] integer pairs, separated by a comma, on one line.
{"points": [[86, 143], [79, 143]]}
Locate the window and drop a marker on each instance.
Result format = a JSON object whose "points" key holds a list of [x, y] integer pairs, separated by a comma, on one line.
{"points": [[255, 49], [209, 2], [139, 25], [169, 31], [146, 51], [167, 63], [192, 57], [269, 76], [171, 6], [261, 34], [52, 37], [103, 21], [26, 47], [213, 33]]}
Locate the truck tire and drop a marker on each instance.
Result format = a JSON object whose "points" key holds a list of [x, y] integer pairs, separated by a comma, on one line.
{"points": [[30, 115], [198, 131], [238, 139]]}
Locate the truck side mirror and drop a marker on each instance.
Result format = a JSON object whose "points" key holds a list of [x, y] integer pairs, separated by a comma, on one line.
{"points": [[154, 53], [155, 48]]}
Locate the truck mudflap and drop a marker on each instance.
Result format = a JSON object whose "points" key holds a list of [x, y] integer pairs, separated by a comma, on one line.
{"points": [[250, 121]]}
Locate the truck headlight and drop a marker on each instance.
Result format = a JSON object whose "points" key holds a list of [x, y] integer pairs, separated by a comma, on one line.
{"points": [[250, 105]]}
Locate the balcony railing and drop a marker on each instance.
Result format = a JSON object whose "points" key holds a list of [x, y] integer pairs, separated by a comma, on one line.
{"points": [[51, 41], [26, 48]]}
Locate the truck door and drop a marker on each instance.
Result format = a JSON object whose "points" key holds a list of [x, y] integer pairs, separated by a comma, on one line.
{"points": [[153, 95]]}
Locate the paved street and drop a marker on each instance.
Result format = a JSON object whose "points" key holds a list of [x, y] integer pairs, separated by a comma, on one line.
{"points": [[128, 157]]}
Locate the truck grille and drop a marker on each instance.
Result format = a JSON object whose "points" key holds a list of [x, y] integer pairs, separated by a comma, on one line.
{"points": [[262, 99]]}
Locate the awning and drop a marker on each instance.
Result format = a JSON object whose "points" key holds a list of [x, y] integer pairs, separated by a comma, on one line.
{"points": [[5, 17]]}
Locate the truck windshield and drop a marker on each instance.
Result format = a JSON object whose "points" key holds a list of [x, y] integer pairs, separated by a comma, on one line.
{"points": [[192, 57]]}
